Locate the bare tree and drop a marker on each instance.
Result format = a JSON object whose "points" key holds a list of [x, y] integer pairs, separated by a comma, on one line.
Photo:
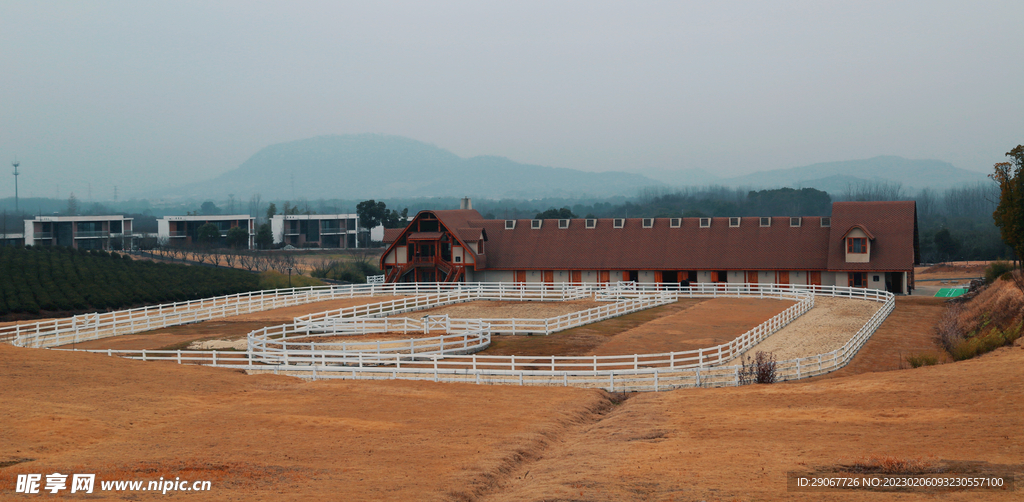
{"points": [[255, 205]]}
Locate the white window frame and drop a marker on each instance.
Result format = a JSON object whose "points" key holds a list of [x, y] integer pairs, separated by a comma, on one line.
{"points": [[795, 221], [705, 223], [536, 224], [734, 221], [591, 222], [619, 222], [766, 219], [675, 222], [826, 221], [510, 224], [648, 222], [563, 223]]}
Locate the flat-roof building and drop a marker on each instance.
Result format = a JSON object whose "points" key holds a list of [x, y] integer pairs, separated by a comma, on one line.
{"points": [[316, 230], [80, 232], [184, 230]]}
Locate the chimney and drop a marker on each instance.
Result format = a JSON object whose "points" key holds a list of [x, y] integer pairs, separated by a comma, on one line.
{"points": [[466, 203]]}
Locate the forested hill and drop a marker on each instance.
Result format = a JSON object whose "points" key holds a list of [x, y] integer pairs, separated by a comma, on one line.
{"points": [[58, 280], [363, 166]]}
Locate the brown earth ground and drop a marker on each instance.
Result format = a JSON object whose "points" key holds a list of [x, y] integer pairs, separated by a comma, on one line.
{"points": [[953, 270], [277, 438], [228, 328], [908, 331]]}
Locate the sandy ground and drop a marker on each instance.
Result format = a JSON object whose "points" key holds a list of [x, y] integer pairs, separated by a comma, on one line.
{"points": [[826, 327], [228, 328], [486, 309], [277, 438]]}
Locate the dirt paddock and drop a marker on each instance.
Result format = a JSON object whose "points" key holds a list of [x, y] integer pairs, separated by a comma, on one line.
{"points": [[228, 328]]}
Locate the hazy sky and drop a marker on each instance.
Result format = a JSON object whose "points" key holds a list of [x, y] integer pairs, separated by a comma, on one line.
{"points": [[144, 93]]}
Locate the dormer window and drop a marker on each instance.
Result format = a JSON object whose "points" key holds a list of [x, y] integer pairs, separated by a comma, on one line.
{"points": [[510, 224], [648, 222], [535, 224], [734, 222], [675, 222], [705, 222], [618, 222], [794, 222], [766, 221], [591, 222], [563, 223], [826, 222], [857, 245]]}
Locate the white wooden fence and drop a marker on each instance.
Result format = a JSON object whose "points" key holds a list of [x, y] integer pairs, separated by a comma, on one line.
{"points": [[434, 359], [84, 327]]}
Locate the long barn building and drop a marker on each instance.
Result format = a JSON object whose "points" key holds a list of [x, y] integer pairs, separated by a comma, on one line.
{"points": [[863, 244]]}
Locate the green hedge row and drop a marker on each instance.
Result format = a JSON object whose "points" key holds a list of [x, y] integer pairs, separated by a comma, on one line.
{"points": [[57, 279]]}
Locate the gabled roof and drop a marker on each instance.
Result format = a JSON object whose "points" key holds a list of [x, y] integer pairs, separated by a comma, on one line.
{"points": [[862, 229], [893, 232], [392, 234], [749, 246]]}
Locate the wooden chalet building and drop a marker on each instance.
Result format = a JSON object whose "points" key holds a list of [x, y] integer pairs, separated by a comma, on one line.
{"points": [[863, 244]]}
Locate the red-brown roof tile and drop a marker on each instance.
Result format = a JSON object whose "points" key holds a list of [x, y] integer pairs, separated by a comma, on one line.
{"points": [[892, 225], [392, 234], [720, 247]]}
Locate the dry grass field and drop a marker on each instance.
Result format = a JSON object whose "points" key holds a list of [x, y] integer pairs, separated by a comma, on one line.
{"points": [[266, 437]]}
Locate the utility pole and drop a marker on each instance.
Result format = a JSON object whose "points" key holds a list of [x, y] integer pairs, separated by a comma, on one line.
{"points": [[16, 173]]}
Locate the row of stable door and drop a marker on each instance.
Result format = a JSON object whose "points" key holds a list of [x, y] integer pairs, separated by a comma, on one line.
{"points": [[676, 276]]}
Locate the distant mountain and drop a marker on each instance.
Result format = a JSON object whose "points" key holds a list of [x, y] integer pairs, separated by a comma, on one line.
{"points": [[685, 177], [363, 166], [836, 176]]}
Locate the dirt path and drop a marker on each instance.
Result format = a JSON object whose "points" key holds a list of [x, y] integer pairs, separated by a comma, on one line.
{"points": [[486, 309], [909, 330], [228, 328]]}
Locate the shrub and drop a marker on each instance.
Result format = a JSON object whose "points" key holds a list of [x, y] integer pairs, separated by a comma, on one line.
{"points": [[918, 360], [275, 280], [761, 369], [997, 270]]}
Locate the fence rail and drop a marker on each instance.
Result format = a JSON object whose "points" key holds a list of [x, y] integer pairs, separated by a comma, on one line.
{"points": [[434, 359]]}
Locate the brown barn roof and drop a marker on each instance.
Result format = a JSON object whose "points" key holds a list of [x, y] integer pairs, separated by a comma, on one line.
{"points": [[892, 227], [392, 234], [747, 247]]}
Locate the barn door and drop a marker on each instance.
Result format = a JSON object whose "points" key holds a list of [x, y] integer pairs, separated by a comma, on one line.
{"points": [[520, 276], [605, 276], [782, 277], [548, 276], [814, 278], [752, 276], [576, 276]]}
